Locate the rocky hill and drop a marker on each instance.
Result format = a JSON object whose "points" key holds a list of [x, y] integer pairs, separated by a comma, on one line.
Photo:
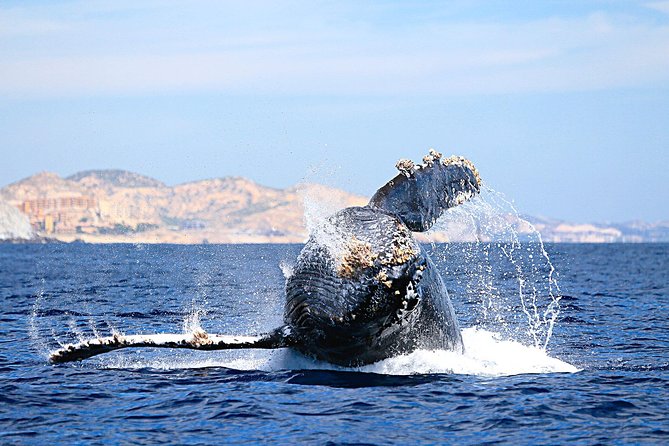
{"points": [[114, 178], [118, 206]]}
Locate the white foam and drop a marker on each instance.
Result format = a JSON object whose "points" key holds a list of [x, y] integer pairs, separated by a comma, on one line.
{"points": [[485, 355]]}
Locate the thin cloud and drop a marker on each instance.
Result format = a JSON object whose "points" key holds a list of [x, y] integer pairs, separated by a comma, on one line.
{"points": [[155, 49], [659, 6], [14, 22]]}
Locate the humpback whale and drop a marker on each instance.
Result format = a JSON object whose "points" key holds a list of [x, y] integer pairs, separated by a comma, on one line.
{"points": [[362, 289]]}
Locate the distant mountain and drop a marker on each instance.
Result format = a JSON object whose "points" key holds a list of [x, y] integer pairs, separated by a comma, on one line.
{"points": [[121, 206], [115, 178], [638, 231], [561, 231]]}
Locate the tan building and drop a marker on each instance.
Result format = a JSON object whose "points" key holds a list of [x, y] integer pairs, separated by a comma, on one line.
{"points": [[61, 214]]}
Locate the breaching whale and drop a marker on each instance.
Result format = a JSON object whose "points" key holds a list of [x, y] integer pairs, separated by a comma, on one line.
{"points": [[362, 288]]}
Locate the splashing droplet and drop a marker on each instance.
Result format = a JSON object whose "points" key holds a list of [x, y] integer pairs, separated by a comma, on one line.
{"points": [[502, 247]]}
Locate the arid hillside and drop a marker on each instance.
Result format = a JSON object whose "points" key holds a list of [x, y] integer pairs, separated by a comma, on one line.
{"points": [[120, 206], [108, 206]]}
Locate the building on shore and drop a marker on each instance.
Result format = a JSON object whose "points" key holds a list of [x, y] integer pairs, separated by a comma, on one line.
{"points": [[67, 214]]}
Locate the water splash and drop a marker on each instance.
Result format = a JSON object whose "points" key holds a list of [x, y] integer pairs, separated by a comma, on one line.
{"points": [[192, 322], [503, 251], [287, 268], [37, 340], [199, 303], [319, 205]]}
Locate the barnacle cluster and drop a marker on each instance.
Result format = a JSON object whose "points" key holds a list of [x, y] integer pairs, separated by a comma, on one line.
{"points": [[200, 337], [403, 247], [407, 167], [382, 277], [358, 255], [462, 161]]}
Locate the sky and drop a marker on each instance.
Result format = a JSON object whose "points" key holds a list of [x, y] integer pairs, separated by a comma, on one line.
{"points": [[562, 105]]}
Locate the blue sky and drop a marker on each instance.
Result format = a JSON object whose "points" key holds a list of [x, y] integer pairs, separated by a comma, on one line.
{"points": [[563, 105]]}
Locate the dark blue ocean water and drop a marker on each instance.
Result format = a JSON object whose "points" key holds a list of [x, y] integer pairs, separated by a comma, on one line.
{"points": [[612, 327]]}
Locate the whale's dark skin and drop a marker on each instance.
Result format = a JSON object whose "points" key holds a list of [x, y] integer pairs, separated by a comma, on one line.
{"points": [[376, 293], [383, 298], [362, 288]]}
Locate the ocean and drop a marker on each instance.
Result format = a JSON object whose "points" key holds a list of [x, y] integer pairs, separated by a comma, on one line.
{"points": [[603, 377]]}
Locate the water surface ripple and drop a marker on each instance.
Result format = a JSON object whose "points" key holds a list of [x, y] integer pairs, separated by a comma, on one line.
{"points": [[612, 327]]}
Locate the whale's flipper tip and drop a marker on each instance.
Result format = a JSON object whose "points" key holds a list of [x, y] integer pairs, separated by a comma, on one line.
{"points": [[422, 192]]}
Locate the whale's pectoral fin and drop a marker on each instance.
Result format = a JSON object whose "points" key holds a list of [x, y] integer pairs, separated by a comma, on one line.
{"points": [[421, 193], [198, 340]]}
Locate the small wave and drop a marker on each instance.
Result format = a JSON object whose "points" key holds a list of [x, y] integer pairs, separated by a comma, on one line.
{"points": [[485, 355]]}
